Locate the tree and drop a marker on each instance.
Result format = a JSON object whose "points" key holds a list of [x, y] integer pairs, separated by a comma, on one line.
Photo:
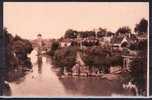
{"points": [[71, 34], [54, 46], [123, 30], [91, 33], [116, 60], [139, 46], [97, 57], [16, 53], [11, 62], [102, 32], [22, 47], [142, 27], [83, 34], [65, 58]]}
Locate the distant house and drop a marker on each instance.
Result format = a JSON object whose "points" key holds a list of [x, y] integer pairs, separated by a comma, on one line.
{"points": [[107, 39], [119, 42], [142, 37]]}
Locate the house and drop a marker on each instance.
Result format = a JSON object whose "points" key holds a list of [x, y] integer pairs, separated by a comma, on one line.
{"points": [[107, 39], [119, 42]]}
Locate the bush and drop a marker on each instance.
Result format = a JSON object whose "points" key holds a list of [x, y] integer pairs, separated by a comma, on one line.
{"points": [[101, 58], [55, 45], [140, 45], [65, 58], [97, 57]]}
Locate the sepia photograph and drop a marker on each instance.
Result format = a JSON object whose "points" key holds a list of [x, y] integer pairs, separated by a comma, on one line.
{"points": [[78, 49]]}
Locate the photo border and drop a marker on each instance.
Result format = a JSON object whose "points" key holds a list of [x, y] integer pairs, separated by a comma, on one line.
{"points": [[149, 55]]}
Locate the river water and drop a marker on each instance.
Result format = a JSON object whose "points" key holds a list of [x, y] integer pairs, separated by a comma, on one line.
{"points": [[43, 81]]}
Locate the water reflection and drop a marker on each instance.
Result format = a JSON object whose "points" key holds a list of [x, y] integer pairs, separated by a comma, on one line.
{"points": [[92, 86], [16, 75], [5, 89], [39, 63]]}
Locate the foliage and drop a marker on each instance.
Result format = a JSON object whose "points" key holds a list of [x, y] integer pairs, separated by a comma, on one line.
{"points": [[16, 53], [101, 58], [116, 60], [74, 43], [102, 32], [65, 57], [109, 33], [22, 45], [123, 30], [89, 43], [71, 34], [140, 45], [142, 27], [85, 34], [54, 46]]}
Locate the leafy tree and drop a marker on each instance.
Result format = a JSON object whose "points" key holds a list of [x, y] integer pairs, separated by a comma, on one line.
{"points": [[74, 43], [101, 58], [83, 34], [123, 30], [116, 60], [71, 34], [142, 27], [97, 57], [11, 62], [65, 58], [54, 46], [16, 53], [91, 33], [22, 47], [88, 43], [102, 32], [140, 45]]}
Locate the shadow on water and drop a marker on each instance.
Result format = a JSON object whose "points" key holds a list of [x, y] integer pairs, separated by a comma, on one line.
{"points": [[16, 76], [92, 86], [6, 90]]}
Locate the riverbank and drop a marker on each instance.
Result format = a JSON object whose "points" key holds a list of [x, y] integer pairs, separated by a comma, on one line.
{"points": [[111, 76]]}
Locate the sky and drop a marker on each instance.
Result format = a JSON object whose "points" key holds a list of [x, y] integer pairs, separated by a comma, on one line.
{"points": [[52, 19]]}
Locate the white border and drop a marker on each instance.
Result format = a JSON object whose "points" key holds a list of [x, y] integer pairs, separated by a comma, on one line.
{"points": [[95, 96], [148, 57]]}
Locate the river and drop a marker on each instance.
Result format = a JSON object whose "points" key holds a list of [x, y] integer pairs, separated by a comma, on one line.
{"points": [[43, 81]]}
